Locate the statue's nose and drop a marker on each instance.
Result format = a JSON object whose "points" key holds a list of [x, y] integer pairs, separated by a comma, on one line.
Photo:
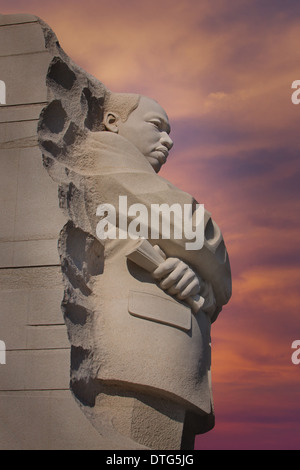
{"points": [[167, 141]]}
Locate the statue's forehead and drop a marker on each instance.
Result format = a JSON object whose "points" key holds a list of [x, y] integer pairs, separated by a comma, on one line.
{"points": [[149, 108], [148, 104]]}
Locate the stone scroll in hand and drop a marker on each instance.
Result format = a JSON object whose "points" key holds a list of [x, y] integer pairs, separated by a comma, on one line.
{"points": [[145, 256]]}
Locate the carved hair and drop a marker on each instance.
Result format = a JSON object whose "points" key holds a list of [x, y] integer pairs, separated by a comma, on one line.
{"points": [[121, 103]]}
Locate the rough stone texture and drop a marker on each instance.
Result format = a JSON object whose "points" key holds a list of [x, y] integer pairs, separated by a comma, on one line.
{"points": [[37, 410], [136, 371]]}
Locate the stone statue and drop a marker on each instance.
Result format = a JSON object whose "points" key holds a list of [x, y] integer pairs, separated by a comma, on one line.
{"points": [[138, 309]]}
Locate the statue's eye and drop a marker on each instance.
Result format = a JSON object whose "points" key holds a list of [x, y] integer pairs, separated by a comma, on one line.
{"points": [[157, 124]]}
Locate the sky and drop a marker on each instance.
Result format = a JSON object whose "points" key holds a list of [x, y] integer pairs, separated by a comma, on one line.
{"points": [[223, 70]]}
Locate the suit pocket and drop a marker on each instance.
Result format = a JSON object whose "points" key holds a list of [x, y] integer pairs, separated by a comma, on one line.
{"points": [[159, 309]]}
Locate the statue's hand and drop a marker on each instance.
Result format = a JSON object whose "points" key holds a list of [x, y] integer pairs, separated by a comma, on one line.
{"points": [[177, 278]]}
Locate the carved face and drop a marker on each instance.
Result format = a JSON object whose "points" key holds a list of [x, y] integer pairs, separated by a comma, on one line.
{"points": [[148, 128]]}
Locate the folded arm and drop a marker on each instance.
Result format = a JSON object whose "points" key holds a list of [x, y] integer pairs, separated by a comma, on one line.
{"points": [[179, 280]]}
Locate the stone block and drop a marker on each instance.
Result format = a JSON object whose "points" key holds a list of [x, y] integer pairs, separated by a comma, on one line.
{"points": [[12, 39], [31, 316], [16, 135], [47, 337], [9, 162], [46, 420], [35, 370], [18, 18], [44, 305], [32, 319], [36, 218], [20, 113], [14, 312], [24, 76], [24, 218], [39, 278], [28, 253]]}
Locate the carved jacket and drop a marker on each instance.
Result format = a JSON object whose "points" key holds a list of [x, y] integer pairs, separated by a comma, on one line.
{"points": [[125, 332]]}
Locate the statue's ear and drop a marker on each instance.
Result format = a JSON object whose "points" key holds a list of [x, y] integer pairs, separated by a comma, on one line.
{"points": [[111, 122]]}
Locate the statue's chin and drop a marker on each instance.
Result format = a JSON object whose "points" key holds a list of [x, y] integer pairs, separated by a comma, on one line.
{"points": [[155, 163]]}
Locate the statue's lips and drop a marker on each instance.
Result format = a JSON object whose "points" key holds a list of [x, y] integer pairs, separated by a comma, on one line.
{"points": [[161, 154]]}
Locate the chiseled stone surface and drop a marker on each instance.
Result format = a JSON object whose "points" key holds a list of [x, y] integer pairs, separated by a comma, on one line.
{"points": [[133, 339], [46, 420], [37, 410]]}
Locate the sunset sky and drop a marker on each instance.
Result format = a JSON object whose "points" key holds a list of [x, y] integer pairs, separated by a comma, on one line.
{"points": [[223, 71]]}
